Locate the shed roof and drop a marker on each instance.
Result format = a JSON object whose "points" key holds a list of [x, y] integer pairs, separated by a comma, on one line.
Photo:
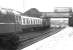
{"points": [[32, 12]]}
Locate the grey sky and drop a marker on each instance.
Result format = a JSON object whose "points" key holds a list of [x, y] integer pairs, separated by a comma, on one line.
{"points": [[42, 5]]}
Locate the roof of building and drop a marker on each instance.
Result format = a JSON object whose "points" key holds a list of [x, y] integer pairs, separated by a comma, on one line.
{"points": [[33, 12]]}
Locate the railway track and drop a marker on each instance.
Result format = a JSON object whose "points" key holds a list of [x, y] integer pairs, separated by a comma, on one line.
{"points": [[29, 38]]}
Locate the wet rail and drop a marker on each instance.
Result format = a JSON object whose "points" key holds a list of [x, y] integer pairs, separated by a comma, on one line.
{"points": [[27, 39]]}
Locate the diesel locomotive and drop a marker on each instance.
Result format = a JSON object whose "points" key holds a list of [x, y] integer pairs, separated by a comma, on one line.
{"points": [[12, 23]]}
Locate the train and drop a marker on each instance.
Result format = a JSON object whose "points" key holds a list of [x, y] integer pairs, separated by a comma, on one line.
{"points": [[12, 23], [33, 23]]}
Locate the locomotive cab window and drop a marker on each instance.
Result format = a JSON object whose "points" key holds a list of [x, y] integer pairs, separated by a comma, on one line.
{"points": [[7, 18]]}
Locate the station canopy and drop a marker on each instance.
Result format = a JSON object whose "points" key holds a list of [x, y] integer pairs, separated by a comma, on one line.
{"points": [[54, 14]]}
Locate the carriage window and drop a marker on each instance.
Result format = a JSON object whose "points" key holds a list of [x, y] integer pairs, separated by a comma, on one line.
{"points": [[23, 22], [35, 21], [19, 19], [38, 21], [30, 21], [27, 21]]}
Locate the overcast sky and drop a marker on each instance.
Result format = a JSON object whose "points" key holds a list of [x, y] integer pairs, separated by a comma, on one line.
{"points": [[41, 5]]}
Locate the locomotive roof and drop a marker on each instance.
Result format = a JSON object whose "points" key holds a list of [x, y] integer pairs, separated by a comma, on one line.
{"points": [[9, 11]]}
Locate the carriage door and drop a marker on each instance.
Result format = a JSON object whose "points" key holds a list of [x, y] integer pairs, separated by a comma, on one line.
{"points": [[18, 23]]}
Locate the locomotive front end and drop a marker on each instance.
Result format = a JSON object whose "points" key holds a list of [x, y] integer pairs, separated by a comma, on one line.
{"points": [[8, 37]]}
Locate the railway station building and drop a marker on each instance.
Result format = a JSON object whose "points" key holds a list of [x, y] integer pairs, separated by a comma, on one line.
{"points": [[61, 17], [57, 19], [33, 12]]}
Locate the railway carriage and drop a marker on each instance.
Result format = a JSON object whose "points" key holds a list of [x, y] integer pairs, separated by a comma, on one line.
{"points": [[31, 22]]}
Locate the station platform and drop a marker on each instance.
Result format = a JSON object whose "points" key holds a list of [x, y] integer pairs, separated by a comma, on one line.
{"points": [[63, 40]]}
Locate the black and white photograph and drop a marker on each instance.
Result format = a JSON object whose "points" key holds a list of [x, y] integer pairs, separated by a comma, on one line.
{"points": [[36, 25]]}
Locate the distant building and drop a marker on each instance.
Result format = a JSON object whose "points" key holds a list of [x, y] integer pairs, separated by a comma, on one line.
{"points": [[63, 9], [33, 12], [57, 19]]}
